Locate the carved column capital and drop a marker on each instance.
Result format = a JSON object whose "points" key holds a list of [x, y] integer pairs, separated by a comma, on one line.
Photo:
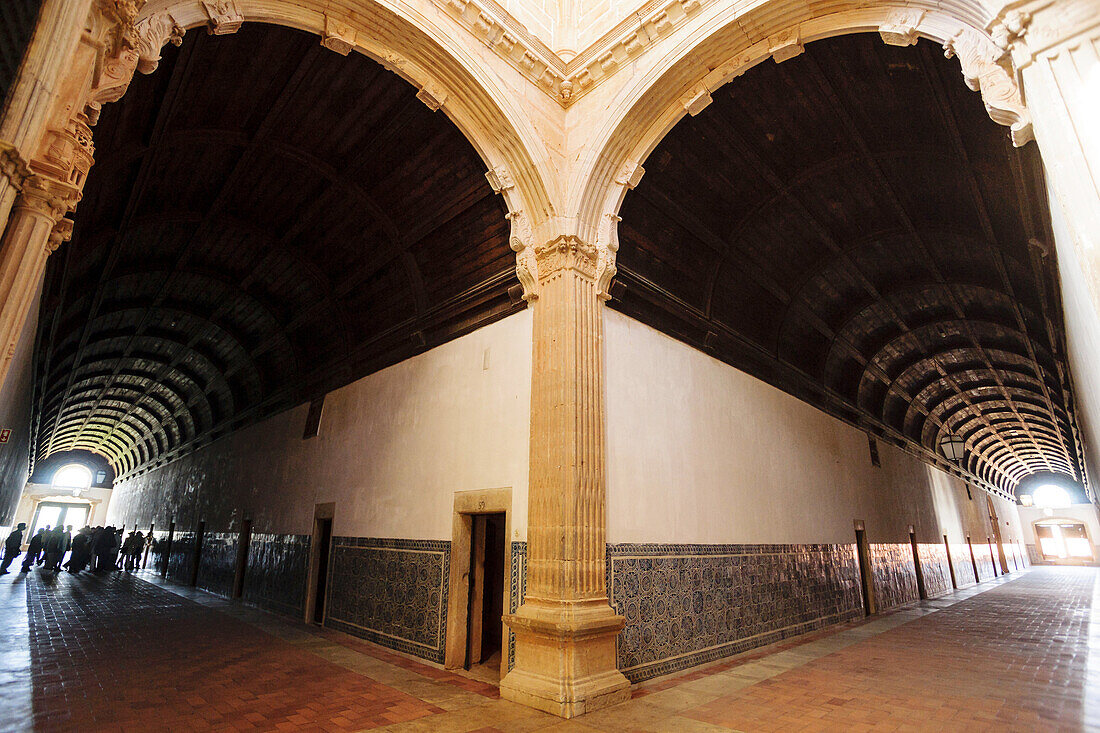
{"points": [[563, 254], [48, 198]]}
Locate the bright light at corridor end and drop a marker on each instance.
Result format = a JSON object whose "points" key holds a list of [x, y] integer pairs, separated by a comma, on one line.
{"points": [[1047, 496]]}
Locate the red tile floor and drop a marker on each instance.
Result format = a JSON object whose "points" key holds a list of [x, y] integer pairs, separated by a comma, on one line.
{"points": [[120, 653]]}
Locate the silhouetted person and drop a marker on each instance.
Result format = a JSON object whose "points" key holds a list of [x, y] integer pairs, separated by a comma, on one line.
{"points": [[55, 548], [42, 555], [94, 546], [116, 563], [131, 550], [81, 551], [34, 549], [12, 547], [68, 541], [105, 547]]}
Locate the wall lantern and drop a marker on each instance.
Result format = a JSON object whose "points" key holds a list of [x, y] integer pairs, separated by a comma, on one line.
{"points": [[953, 448]]}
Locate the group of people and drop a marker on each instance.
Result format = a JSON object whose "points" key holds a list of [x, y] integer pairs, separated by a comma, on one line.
{"points": [[98, 549]]}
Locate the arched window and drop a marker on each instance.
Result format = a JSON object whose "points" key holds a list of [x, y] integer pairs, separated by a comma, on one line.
{"points": [[1050, 496], [74, 477]]}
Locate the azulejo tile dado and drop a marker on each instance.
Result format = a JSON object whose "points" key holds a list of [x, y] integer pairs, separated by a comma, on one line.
{"points": [[391, 591], [894, 574], [689, 604], [277, 572]]}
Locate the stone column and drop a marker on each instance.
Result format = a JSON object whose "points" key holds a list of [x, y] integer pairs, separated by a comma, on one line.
{"points": [[83, 55], [45, 67], [1055, 48], [36, 228], [565, 661]]}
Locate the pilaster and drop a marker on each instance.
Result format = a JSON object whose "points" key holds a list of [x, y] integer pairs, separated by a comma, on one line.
{"points": [[565, 660], [1054, 46]]}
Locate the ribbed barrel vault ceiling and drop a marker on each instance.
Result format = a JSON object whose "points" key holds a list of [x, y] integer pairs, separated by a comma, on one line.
{"points": [[266, 220], [850, 226]]}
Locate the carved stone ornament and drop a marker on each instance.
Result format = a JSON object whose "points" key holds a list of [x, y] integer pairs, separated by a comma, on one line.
{"points": [[66, 155], [338, 36], [607, 248], [527, 269], [62, 232], [500, 179], [48, 197], [432, 96], [152, 33], [900, 27], [121, 19], [629, 175], [696, 100], [566, 253], [985, 69], [786, 45], [225, 17], [114, 79], [12, 165]]}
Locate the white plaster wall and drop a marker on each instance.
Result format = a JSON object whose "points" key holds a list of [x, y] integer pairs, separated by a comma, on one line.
{"points": [[392, 450], [1082, 334], [699, 452]]}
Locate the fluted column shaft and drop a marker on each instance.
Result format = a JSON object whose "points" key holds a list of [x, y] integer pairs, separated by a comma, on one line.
{"points": [[565, 660], [566, 531], [35, 229]]}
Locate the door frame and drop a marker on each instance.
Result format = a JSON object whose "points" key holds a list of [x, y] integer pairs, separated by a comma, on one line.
{"points": [[320, 512], [866, 574], [467, 504]]}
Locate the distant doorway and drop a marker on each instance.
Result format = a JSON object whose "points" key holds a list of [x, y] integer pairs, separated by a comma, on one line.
{"points": [[319, 563], [863, 555], [485, 608], [244, 539], [1063, 540], [53, 514]]}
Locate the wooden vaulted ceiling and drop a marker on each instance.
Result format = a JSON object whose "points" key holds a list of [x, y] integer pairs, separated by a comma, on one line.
{"points": [[266, 220], [851, 227]]}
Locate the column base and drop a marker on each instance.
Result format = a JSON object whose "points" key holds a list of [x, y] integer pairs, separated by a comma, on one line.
{"points": [[565, 659]]}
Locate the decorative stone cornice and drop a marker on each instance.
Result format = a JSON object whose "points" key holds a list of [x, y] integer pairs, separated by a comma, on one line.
{"points": [[568, 81], [1037, 28], [625, 42], [509, 40], [12, 165]]}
